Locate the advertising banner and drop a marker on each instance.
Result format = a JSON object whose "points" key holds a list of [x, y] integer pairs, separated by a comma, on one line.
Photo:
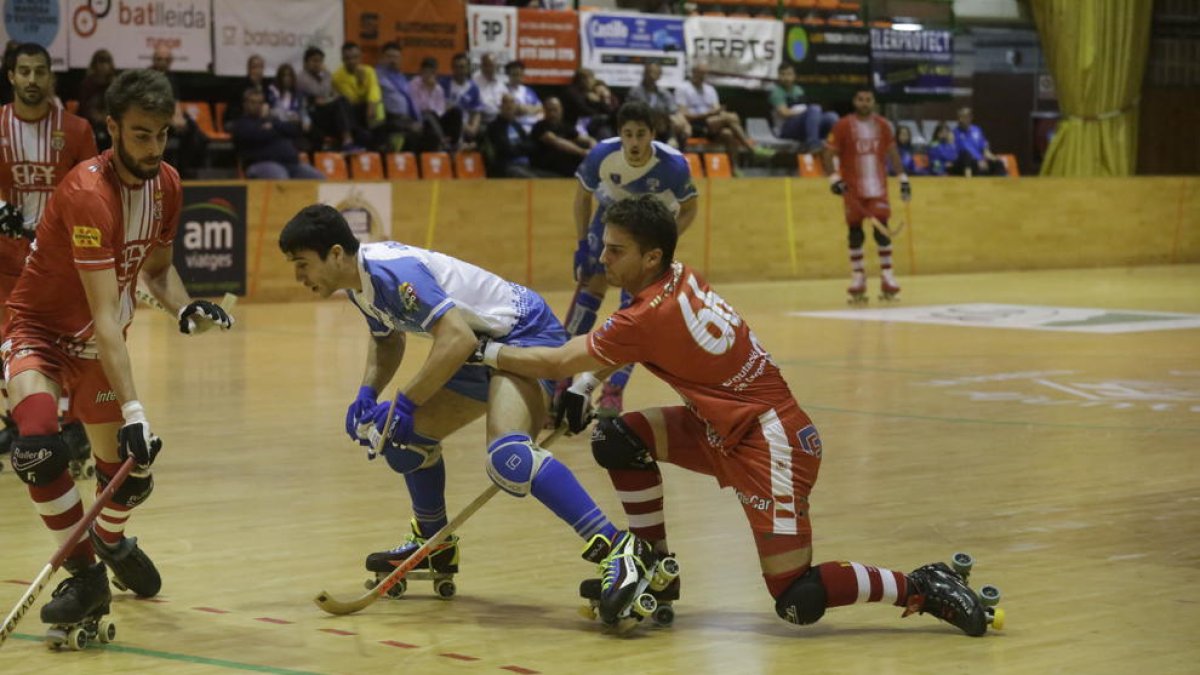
{"points": [[912, 62], [492, 30], [829, 56], [41, 21], [738, 52], [547, 41], [277, 31], [210, 247], [618, 46], [422, 27], [132, 29], [367, 207]]}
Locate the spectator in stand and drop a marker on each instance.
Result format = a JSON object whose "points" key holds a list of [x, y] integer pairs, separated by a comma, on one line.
{"points": [[511, 148], [698, 102], [256, 78], [188, 155], [430, 101], [358, 84], [909, 163], [943, 153], [330, 113], [402, 121], [491, 87], [558, 145], [971, 141], [100, 74], [266, 145], [6, 90], [591, 101], [463, 105], [794, 119], [286, 103], [670, 124], [529, 106]]}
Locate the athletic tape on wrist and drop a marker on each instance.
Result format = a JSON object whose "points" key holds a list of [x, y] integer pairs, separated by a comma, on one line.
{"points": [[133, 412]]}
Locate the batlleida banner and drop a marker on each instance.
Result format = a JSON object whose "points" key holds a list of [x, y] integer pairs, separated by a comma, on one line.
{"points": [[131, 29], [210, 247], [617, 46]]}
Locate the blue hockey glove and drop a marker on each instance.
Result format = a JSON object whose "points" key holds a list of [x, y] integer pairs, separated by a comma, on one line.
{"points": [[363, 404], [371, 427]]}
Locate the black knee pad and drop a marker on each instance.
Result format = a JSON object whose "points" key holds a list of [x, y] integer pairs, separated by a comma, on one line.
{"points": [[135, 490], [616, 446], [882, 239], [39, 460], [856, 236], [803, 602]]}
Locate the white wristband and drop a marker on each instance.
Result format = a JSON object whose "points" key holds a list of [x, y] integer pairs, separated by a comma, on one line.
{"points": [[903, 178], [584, 384], [834, 177], [491, 352], [133, 412]]}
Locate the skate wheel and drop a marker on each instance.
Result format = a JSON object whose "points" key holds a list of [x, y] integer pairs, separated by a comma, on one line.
{"points": [[399, 589], [106, 631], [962, 563], [89, 471], [55, 638], [588, 612], [996, 618], [77, 639], [370, 583], [990, 595], [664, 616], [445, 589], [664, 573], [644, 605], [120, 586]]}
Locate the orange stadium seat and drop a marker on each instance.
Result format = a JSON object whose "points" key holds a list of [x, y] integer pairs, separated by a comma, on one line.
{"points": [[219, 113], [469, 165], [201, 112], [366, 166], [332, 164], [810, 166], [694, 164], [436, 166], [1010, 163], [402, 166], [716, 165]]}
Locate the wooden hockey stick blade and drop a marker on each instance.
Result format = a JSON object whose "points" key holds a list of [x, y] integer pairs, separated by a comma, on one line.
{"points": [[332, 605]]}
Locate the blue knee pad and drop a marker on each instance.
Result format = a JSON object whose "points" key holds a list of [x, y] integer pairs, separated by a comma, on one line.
{"points": [[421, 453], [513, 462]]}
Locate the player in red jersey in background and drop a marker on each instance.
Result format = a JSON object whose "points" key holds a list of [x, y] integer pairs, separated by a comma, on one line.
{"points": [[863, 142], [111, 218], [740, 424], [39, 143]]}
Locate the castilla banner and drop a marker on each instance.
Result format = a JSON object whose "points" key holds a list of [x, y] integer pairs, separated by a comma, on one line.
{"points": [[422, 27], [131, 29], [738, 52], [277, 31], [210, 247], [617, 46]]}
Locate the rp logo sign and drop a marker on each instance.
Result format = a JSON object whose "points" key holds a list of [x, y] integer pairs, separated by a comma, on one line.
{"points": [[491, 29]]}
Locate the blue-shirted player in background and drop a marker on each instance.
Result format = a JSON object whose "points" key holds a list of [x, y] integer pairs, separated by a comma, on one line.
{"points": [[403, 289], [631, 164]]}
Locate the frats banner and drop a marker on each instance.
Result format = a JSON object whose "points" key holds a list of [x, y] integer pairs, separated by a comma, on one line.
{"points": [[828, 56], [738, 52], [915, 63], [547, 41], [44, 22], [618, 46], [210, 247], [422, 27], [277, 31], [131, 29]]}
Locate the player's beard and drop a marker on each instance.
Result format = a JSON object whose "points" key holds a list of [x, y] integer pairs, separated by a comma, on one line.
{"points": [[131, 165], [34, 99]]}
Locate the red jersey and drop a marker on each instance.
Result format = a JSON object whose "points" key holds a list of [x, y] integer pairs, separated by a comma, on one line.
{"points": [[862, 146], [694, 341], [36, 155], [92, 222]]}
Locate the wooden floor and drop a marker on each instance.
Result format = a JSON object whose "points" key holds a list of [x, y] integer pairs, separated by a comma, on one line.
{"points": [[1065, 462]]}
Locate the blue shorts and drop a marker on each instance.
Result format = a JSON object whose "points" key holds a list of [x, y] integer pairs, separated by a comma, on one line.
{"points": [[538, 327]]}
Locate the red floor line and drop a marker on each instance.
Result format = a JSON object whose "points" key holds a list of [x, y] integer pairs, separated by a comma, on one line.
{"points": [[157, 601], [211, 610], [18, 582], [393, 643], [337, 631], [267, 619], [460, 657], [519, 669]]}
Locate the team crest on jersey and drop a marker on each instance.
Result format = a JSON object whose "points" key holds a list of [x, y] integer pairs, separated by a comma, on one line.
{"points": [[652, 184], [615, 178], [408, 297], [156, 212], [58, 140], [85, 237]]}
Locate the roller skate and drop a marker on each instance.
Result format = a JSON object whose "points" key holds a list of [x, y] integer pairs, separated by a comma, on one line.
{"points": [[857, 290], [8, 434], [942, 591], [82, 465], [664, 586], [611, 400], [132, 569], [628, 566], [439, 567], [77, 609], [889, 289]]}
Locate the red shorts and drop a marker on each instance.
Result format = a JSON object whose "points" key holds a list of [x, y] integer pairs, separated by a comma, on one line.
{"points": [[859, 209], [12, 261], [93, 400], [771, 470]]}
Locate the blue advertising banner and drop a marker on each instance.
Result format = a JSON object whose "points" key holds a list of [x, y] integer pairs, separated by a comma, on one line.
{"points": [[617, 46], [913, 63]]}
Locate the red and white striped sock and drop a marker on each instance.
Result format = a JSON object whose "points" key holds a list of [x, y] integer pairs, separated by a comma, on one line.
{"points": [[856, 260], [848, 583], [885, 257], [641, 494], [110, 524], [59, 505]]}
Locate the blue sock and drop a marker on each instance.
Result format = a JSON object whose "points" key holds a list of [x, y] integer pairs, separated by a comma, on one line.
{"points": [[620, 378], [427, 487], [582, 314], [556, 487]]}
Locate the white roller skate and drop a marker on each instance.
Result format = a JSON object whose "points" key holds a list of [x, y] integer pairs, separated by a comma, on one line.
{"points": [[889, 288], [857, 290]]}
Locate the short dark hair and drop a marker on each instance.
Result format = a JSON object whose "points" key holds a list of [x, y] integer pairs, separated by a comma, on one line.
{"points": [[313, 51], [648, 221], [145, 88], [26, 49], [635, 111], [785, 66], [513, 65], [460, 56], [390, 45], [347, 46], [429, 62], [317, 228]]}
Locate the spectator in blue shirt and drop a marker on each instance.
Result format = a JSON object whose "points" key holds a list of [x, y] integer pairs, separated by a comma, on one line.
{"points": [[464, 105], [970, 140], [943, 153], [266, 145], [909, 156], [402, 123]]}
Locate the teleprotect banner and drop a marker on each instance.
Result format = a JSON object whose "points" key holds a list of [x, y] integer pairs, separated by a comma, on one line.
{"points": [[912, 62], [277, 31], [131, 29], [618, 46], [210, 247], [739, 52]]}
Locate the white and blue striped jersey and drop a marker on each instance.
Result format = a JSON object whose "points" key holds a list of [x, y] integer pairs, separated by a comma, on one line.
{"points": [[606, 174]]}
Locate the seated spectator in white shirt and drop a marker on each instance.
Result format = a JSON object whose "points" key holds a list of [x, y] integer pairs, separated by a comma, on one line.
{"points": [[491, 87], [529, 106], [464, 107], [698, 101]]}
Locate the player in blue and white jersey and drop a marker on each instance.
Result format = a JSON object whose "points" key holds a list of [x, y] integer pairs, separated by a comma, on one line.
{"points": [[630, 164], [404, 289]]}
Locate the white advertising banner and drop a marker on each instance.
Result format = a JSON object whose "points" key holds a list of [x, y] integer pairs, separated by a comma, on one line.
{"points": [[44, 22], [618, 46], [131, 31], [367, 207], [739, 52], [494, 30], [277, 31]]}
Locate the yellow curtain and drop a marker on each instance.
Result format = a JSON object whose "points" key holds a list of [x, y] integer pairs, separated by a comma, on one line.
{"points": [[1096, 50]]}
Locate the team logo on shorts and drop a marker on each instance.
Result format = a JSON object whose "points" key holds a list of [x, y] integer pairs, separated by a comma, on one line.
{"points": [[85, 237], [408, 297], [58, 140]]}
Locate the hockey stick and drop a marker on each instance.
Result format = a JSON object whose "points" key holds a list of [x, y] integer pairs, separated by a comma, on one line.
{"points": [[227, 303], [885, 230], [56, 560], [337, 607]]}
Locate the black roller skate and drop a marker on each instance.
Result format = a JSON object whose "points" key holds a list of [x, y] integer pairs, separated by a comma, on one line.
{"points": [[943, 592], [77, 609], [664, 586], [439, 567], [82, 466], [132, 569], [628, 566]]}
